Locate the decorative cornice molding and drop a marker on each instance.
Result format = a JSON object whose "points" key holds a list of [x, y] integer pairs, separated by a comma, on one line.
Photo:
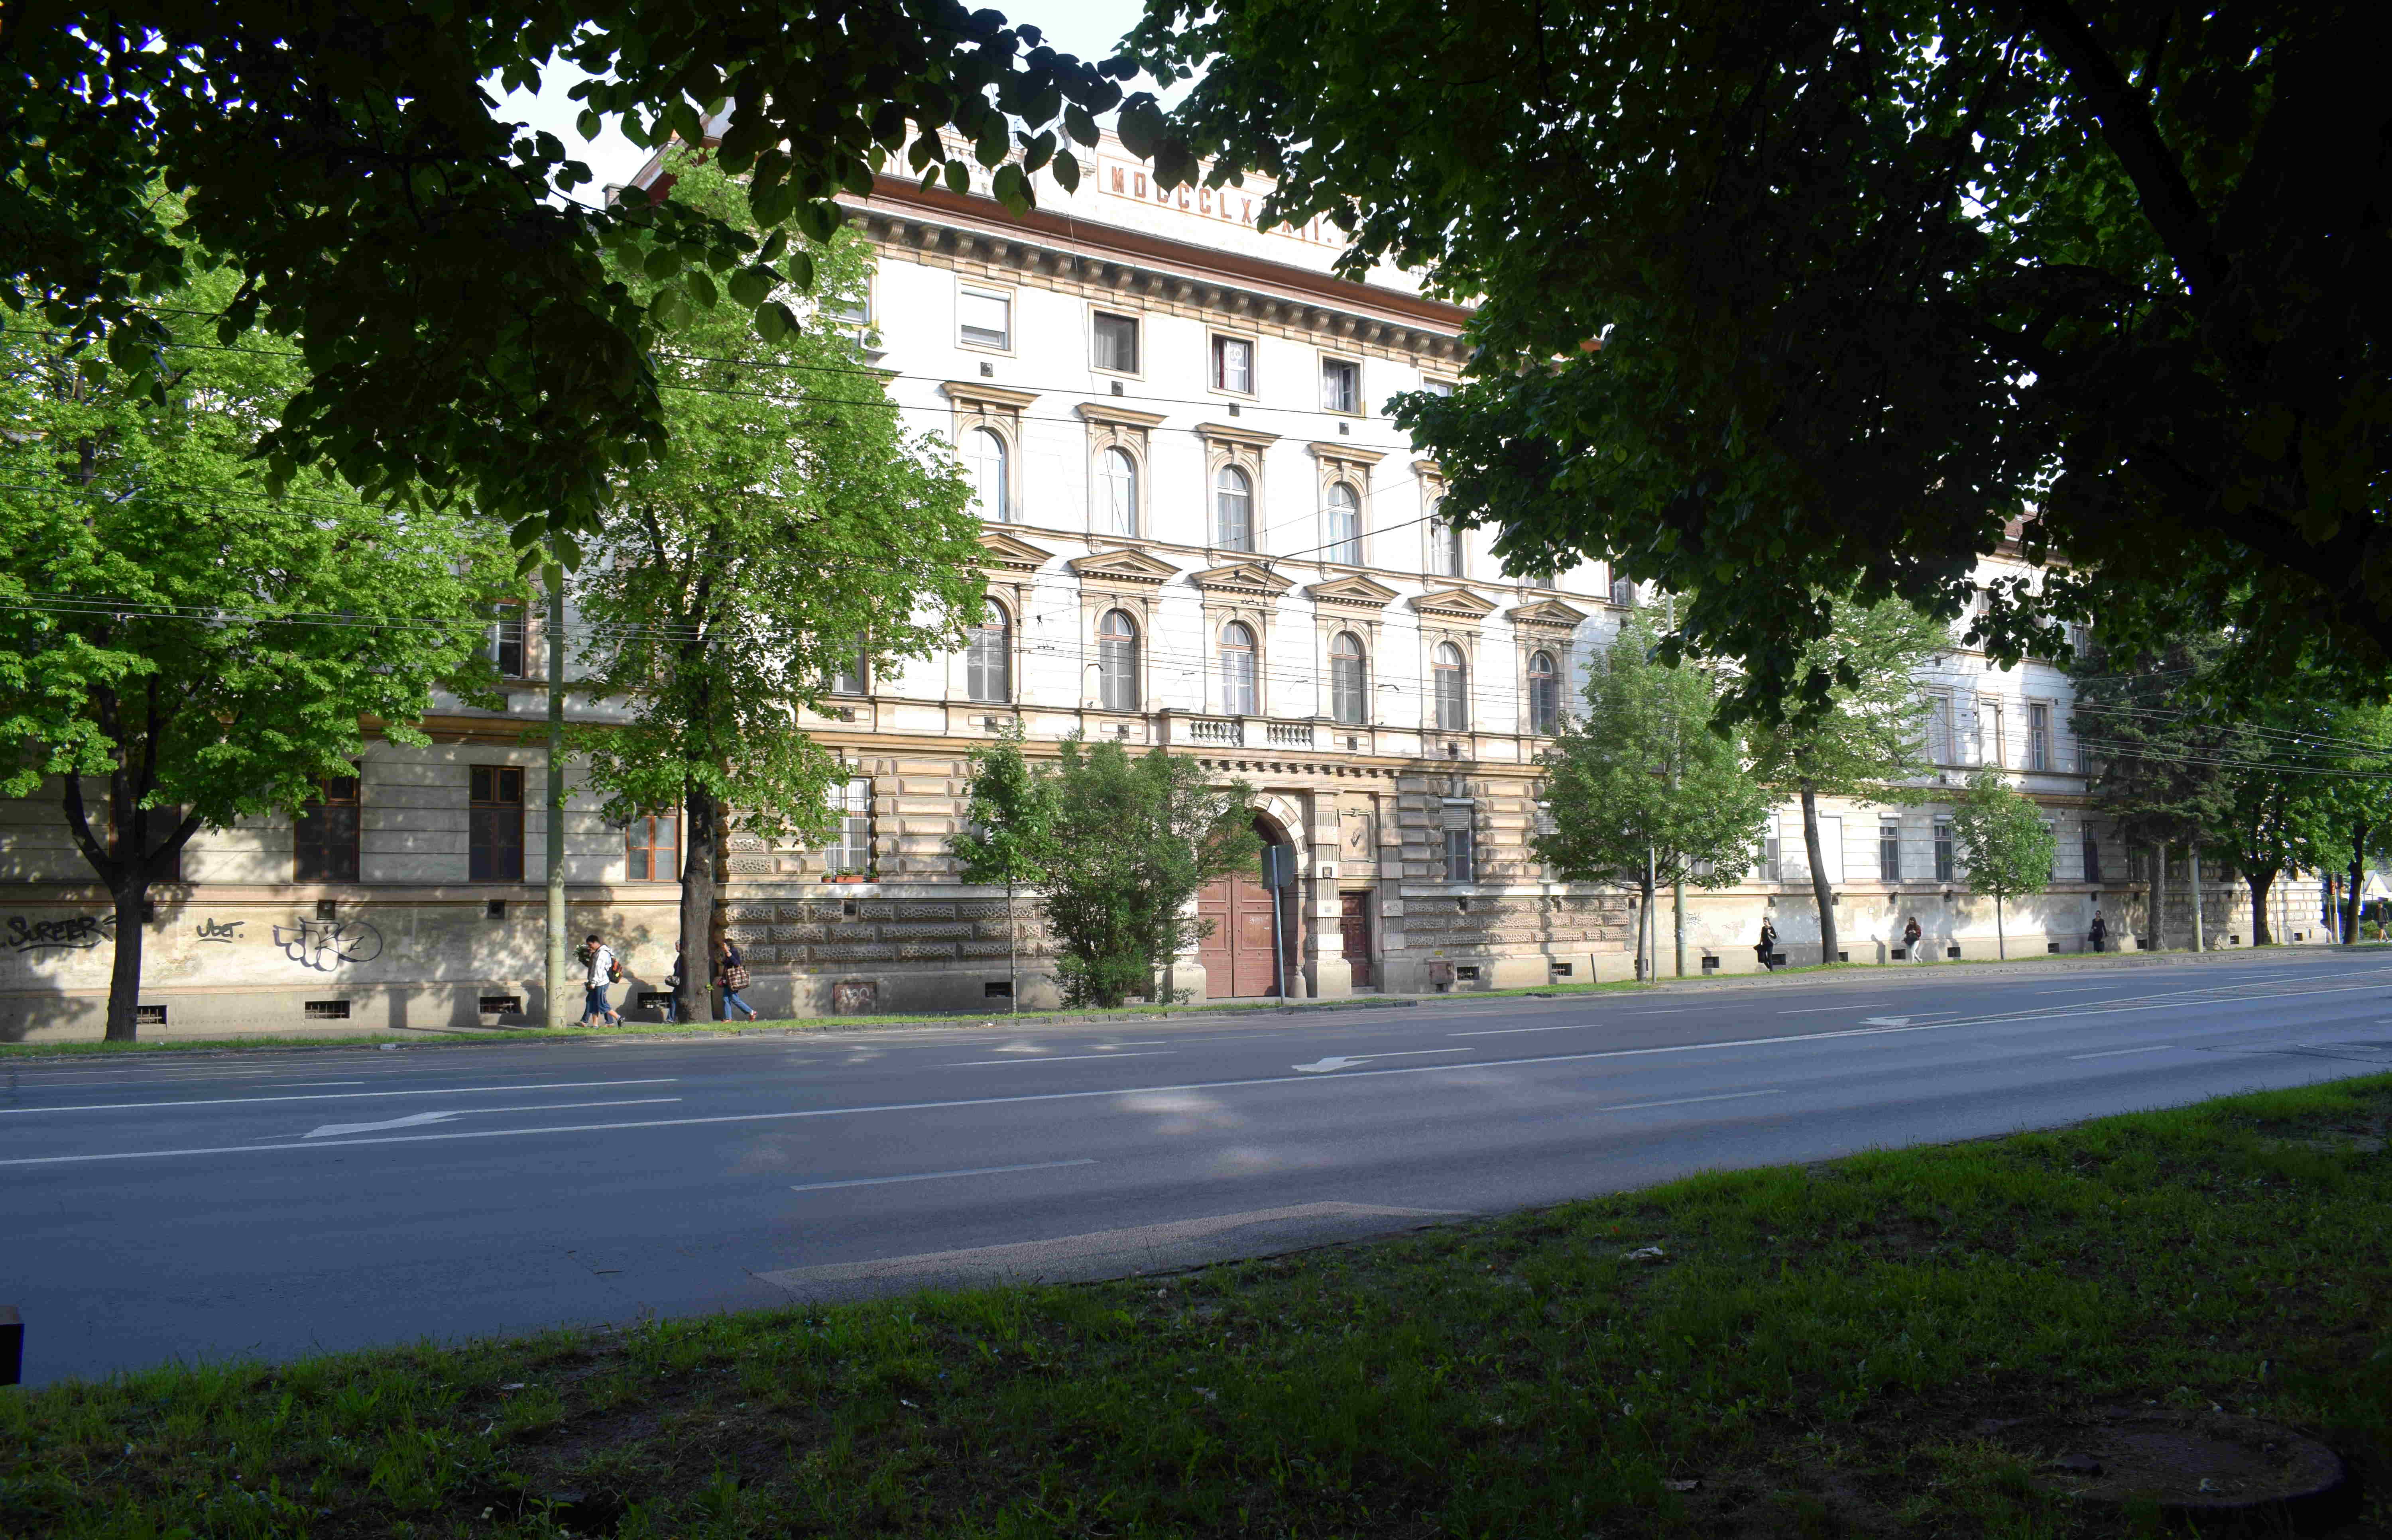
{"points": [[1243, 577], [1247, 436], [982, 393], [1350, 453], [1353, 592], [1010, 553], [1458, 604], [1548, 615], [1130, 568], [1122, 417]]}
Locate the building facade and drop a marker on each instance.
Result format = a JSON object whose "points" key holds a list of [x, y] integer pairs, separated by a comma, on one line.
{"points": [[1202, 534]]}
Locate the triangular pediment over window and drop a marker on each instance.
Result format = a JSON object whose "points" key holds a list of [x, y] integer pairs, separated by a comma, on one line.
{"points": [[1550, 614], [1132, 567], [1243, 577], [1355, 592], [1007, 554], [1455, 604]]}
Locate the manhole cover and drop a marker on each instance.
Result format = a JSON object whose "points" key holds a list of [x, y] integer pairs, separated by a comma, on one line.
{"points": [[2216, 1469]]}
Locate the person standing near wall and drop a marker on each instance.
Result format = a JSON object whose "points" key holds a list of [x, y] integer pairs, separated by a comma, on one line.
{"points": [[2099, 933], [1766, 947], [1910, 938]]}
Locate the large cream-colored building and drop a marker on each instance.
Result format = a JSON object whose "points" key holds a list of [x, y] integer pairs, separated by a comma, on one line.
{"points": [[1203, 534]]}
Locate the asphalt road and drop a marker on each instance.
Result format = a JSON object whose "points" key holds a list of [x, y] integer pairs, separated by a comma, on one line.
{"points": [[273, 1204]]}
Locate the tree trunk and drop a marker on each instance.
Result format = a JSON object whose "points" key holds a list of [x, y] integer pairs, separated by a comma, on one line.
{"points": [[1647, 935], [2262, 934], [1820, 892], [2199, 927], [2357, 870], [2159, 896], [2001, 936], [1678, 919], [124, 979], [560, 989], [1013, 954], [694, 998]]}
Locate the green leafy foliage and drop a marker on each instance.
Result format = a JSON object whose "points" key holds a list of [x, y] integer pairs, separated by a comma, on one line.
{"points": [[1118, 847], [790, 529], [1873, 286], [2004, 845], [1643, 775], [207, 650], [462, 328]]}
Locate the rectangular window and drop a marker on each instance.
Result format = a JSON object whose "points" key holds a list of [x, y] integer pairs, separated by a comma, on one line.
{"points": [[494, 824], [653, 847], [324, 836], [1943, 851], [1341, 385], [2092, 857], [505, 646], [851, 847], [2039, 737], [852, 315], [1437, 387], [1233, 365], [1889, 852], [1116, 343], [1939, 730], [985, 319], [1461, 857], [849, 677], [1773, 860]]}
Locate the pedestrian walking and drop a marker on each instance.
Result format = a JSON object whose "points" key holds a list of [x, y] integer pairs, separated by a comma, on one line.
{"points": [[673, 984], [1911, 935], [2100, 934], [604, 968], [1766, 947], [731, 974]]}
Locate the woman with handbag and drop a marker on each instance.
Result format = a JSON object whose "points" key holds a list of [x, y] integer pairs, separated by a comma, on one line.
{"points": [[731, 976]]}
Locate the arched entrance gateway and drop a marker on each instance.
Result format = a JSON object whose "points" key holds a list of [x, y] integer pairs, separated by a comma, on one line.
{"points": [[1237, 955]]}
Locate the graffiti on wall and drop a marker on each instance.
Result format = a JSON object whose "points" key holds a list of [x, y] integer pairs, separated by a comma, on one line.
{"points": [[325, 944], [75, 933], [228, 931]]}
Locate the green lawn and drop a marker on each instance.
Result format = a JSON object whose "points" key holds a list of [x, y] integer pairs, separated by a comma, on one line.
{"points": [[1814, 1356]]}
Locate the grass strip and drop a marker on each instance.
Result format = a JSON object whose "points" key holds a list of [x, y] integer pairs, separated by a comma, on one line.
{"points": [[1816, 1354]]}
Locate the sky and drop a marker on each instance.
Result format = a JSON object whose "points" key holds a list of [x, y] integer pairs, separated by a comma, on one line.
{"points": [[1088, 28]]}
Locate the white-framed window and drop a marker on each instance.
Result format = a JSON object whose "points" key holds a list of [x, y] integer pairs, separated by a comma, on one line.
{"points": [[1341, 385], [1772, 857], [1889, 851], [2092, 855], [1623, 593], [1545, 694], [985, 456], [853, 315], [1342, 525], [1117, 661], [1452, 680], [988, 663], [1939, 730], [1239, 694], [984, 319], [850, 677], [1944, 865], [851, 847], [1113, 342], [1233, 365], [1117, 492], [1443, 546], [1437, 387], [1461, 844], [2038, 736], [1350, 679], [1233, 510]]}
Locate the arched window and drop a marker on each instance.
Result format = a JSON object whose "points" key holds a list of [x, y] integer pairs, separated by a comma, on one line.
{"points": [[1444, 547], [1349, 679], [1545, 694], [1117, 661], [985, 464], [1452, 688], [1238, 694], [1233, 508], [989, 663], [1344, 541], [1117, 493]]}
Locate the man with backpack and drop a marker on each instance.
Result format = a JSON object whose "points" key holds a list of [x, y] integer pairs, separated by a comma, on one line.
{"points": [[606, 968]]}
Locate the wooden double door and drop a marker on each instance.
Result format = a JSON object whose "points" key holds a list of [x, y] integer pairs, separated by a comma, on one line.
{"points": [[1237, 955]]}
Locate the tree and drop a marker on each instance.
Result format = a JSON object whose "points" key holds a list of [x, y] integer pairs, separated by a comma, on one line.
{"points": [[462, 326], [1778, 299], [1867, 739], [2004, 843], [1134, 840], [1008, 834], [1642, 790], [789, 530], [208, 651]]}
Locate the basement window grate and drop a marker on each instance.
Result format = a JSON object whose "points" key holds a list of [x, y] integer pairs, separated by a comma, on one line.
{"points": [[327, 1010], [501, 1004], [150, 1016], [1466, 971], [996, 989]]}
